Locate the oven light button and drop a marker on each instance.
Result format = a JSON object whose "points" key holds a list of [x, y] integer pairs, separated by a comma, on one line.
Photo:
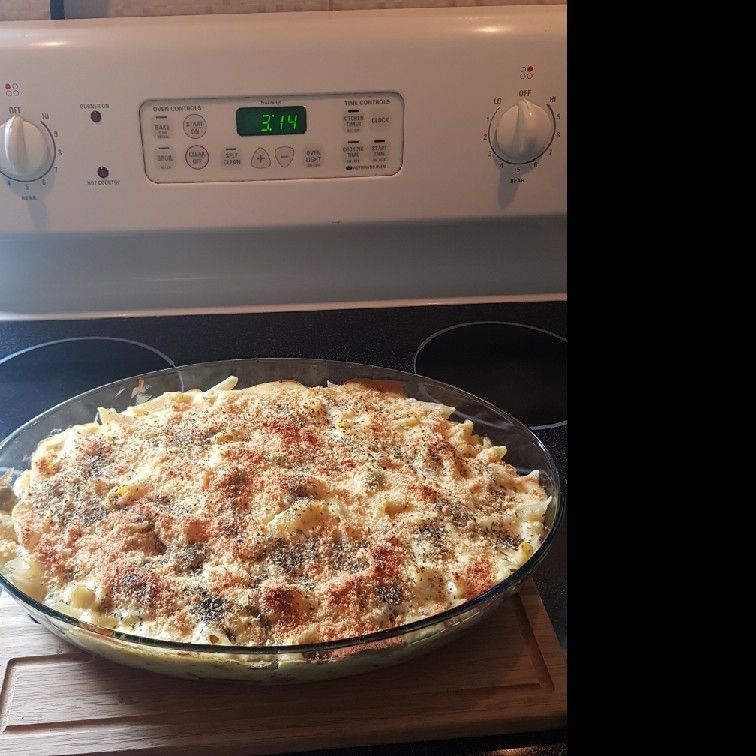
{"points": [[313, 156]]}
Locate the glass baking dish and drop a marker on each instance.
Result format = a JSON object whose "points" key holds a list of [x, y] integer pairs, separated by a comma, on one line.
{"points": [[300, 663]]}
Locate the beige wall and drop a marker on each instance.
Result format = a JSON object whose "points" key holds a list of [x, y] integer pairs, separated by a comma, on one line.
{"points": [[12, 10]]}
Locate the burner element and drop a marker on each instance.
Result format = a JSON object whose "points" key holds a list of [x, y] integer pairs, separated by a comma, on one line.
{"points": [[518, 367], [41, 376]]}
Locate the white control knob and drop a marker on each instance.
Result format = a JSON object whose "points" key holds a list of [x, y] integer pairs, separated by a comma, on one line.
{"points": [[523, 132], [26, 150]]}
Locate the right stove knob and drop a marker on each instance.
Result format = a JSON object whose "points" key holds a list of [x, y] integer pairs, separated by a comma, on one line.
{"points": [[523, 133]]}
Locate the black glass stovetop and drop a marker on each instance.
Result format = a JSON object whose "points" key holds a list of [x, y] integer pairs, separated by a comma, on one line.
{"points": [[512, 354]]}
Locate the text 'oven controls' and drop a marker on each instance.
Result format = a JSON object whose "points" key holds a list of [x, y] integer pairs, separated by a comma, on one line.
{"points": [[523, 133], [27, 151]]}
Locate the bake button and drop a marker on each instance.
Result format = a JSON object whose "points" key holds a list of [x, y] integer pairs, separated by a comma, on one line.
{"points": [[164, 158], [284, 156], [260, 158], [380, 120], [161, 127], [195, 126], [197, 157], [379, 151], [231, 158], [353, 120], [313, 156]]}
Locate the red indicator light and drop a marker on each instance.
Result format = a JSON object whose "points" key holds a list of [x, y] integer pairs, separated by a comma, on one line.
{"points": [[7, 86], [530, 68]]}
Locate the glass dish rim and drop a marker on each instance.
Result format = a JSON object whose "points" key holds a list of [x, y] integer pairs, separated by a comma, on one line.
{"points": [[358, 640]]}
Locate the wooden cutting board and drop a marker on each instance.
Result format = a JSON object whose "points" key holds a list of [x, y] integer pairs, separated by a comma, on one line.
{"points": [[506, 675]]}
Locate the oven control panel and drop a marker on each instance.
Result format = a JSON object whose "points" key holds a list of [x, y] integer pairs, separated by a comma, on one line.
{"points": [[281, 120], [272, 138]]}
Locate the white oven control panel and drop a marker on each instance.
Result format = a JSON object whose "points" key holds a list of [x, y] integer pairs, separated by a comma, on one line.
{"points": [[272, 138], [281, 120]]}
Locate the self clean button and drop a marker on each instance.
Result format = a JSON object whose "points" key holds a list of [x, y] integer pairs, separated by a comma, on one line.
{"points": [[231, 158]]}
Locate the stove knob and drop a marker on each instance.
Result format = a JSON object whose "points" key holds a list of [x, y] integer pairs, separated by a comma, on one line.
{"points": [[26, 150], [523, 132]]}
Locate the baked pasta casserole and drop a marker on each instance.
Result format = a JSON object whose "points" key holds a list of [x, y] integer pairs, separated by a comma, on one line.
{"points": [[272, 515]]}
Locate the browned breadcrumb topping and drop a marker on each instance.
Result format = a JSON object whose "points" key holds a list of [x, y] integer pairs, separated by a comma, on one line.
{"points": [[276, 514]]}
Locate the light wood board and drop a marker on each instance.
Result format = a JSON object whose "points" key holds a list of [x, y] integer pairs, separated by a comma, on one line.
{"points": [[506, 675]]}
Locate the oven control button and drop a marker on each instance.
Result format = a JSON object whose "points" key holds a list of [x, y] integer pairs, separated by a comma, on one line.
{"points": [[195, 126], [523, 133], [260, 158], [197, 157], [284, 156], [231, 158], [161, 127], [27, 151], [164, 158]]}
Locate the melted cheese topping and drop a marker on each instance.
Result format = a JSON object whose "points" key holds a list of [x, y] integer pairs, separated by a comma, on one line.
{"points": [[277, 514]]}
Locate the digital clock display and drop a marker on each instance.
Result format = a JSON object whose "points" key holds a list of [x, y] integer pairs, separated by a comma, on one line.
{"points": [[271, 121]]}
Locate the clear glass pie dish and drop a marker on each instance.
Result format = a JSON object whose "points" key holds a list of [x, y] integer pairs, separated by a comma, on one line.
{"points": [[299, 663]]}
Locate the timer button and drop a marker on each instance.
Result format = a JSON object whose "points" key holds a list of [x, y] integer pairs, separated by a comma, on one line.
{"points": [[354, 120], [284, 156], [195, 126], [197, 157], [260, 158]]}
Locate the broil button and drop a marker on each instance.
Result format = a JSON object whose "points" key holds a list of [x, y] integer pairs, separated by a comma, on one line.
{"points": [[164, 158]]}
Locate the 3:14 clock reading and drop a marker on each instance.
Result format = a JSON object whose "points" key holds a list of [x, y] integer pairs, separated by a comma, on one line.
{"points": [[271, 121]]}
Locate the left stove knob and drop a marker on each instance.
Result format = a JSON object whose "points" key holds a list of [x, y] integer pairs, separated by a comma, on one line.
{"points": [[27, 151]]}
